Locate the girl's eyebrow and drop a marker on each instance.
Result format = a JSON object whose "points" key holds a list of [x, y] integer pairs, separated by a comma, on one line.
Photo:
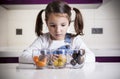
{"points": [[51, 23], [55, 23], [63, 23]]}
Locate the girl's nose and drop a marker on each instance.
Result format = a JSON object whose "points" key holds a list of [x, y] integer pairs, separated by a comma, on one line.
{"points": [[58, 29]]}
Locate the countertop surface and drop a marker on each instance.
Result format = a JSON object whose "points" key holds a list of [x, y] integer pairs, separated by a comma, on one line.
{"points": [[88, 71]]}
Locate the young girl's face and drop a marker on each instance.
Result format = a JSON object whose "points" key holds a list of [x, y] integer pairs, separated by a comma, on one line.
{"points": [[57, 24]]}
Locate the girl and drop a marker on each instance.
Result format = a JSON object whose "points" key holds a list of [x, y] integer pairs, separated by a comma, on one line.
{"points": [[58, 19]]}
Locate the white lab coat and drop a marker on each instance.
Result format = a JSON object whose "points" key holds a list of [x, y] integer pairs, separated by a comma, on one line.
{"points": [[44, 41]]}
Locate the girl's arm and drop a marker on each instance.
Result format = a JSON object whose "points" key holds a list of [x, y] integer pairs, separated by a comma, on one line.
{"points": [[89, 55], [78, 43], [26, 56]]}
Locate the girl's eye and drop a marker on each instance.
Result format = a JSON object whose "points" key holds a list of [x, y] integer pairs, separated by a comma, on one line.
{"points": [[63, 25]]}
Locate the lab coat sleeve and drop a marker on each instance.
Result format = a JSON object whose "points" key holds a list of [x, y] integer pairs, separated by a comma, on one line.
{"points": [[89, 55], [26, 56]]}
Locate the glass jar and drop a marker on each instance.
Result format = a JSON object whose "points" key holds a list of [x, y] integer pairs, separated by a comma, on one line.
{"points": [[57, 58], [76, 58], [40, 58]]}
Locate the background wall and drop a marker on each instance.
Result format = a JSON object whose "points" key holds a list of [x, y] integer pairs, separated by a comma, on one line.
{"points": [[106, 17], [3, 27]]}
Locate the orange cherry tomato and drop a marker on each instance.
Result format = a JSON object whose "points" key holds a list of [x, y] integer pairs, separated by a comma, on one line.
{"points": [[35, 59], [41, 64]]}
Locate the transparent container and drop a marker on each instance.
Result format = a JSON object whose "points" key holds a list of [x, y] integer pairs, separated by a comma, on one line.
{"points": [[57, 59], [40, 58], [76, 58]]}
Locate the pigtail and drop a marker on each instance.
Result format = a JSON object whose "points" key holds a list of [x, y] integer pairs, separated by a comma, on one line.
{"points": [[78, 23], [39, 24]]}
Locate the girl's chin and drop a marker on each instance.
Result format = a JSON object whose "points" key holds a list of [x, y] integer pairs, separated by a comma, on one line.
{"points": [[59, 38]]}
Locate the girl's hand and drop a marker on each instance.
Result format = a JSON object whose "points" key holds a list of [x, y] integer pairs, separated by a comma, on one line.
{"points": [[55, 57]]}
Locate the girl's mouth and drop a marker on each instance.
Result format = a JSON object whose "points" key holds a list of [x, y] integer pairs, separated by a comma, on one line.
{"points": [[58, 35]]}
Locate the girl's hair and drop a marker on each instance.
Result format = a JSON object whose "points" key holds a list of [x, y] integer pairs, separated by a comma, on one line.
{"points": [[59, 7]]}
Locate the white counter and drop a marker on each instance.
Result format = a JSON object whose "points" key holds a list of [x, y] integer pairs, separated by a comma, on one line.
{"points": [[89, 71], [17, 51]]}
